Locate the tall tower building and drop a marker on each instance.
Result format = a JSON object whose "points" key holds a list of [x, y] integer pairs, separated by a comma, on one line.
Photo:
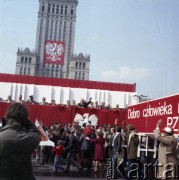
{"points": [[55, 39]]}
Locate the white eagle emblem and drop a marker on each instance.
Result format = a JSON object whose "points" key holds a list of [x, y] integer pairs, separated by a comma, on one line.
{"points": [[85, 118], [54, 51]]}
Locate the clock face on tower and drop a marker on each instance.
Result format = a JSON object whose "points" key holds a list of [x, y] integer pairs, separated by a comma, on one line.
{"points": [[54, 52]]}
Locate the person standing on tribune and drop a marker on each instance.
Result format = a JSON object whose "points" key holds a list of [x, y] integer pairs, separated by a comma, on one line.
{"points": [[18, 138]]}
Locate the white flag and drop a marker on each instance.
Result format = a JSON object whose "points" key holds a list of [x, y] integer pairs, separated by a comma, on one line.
{"points": [[45, 141]]}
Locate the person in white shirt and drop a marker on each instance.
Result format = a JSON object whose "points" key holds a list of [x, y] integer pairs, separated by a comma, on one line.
{"points": [[43, 101], [19, 100]]}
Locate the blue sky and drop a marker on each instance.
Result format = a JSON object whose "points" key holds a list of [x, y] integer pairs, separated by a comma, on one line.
{"points": [[128, 40]]}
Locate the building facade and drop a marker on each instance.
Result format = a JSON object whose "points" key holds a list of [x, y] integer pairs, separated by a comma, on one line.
{"points": [[54, 49]]}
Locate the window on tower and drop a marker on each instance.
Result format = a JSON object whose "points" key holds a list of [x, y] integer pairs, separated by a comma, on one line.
{"points": [[65, 10], [61, 75], [61, 11], [79, 76], [46, 33], [76, 64], [53, 8], [57, 10], [28, 71], [43, 7], [51, 29], [30, 60], [83, 77], [83, 65], [49, 8], [25, 71], [21, 70], [47, 73], [72, 10], [56, 75], [63, 36], [56, 26], [26, 60], [22, 59]]}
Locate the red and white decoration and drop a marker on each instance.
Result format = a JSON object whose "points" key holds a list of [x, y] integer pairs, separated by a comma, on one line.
{"points": [[62, 90], [54, 52], [146, 115], [85, 118]]}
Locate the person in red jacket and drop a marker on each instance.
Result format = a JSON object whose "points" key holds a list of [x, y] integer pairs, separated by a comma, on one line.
{"points": [[59, 150], [99, 150], [88, 129]]}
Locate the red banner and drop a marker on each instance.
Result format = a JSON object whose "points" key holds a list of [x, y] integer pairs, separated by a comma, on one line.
{"points": [[144, 116], [54, 52], [72, 83], [60, 113]]}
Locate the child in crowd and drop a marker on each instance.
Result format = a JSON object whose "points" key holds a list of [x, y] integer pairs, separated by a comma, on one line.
{"points": [[59, 150]]}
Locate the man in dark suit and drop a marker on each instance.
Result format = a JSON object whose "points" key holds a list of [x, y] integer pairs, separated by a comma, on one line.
{"points": [[83, 103], [116, 149], [116, 141], [72, 150]]}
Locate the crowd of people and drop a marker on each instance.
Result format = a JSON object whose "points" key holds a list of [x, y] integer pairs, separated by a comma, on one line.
{"points": [[83, 103], [88, 147], [85, 147]]}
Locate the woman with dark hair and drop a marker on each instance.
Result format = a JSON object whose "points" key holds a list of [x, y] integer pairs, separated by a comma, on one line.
{"points": [[18, 138]]}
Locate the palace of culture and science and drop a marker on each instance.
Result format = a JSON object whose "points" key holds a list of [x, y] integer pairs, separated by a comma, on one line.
{"points": [[54, 49]]}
